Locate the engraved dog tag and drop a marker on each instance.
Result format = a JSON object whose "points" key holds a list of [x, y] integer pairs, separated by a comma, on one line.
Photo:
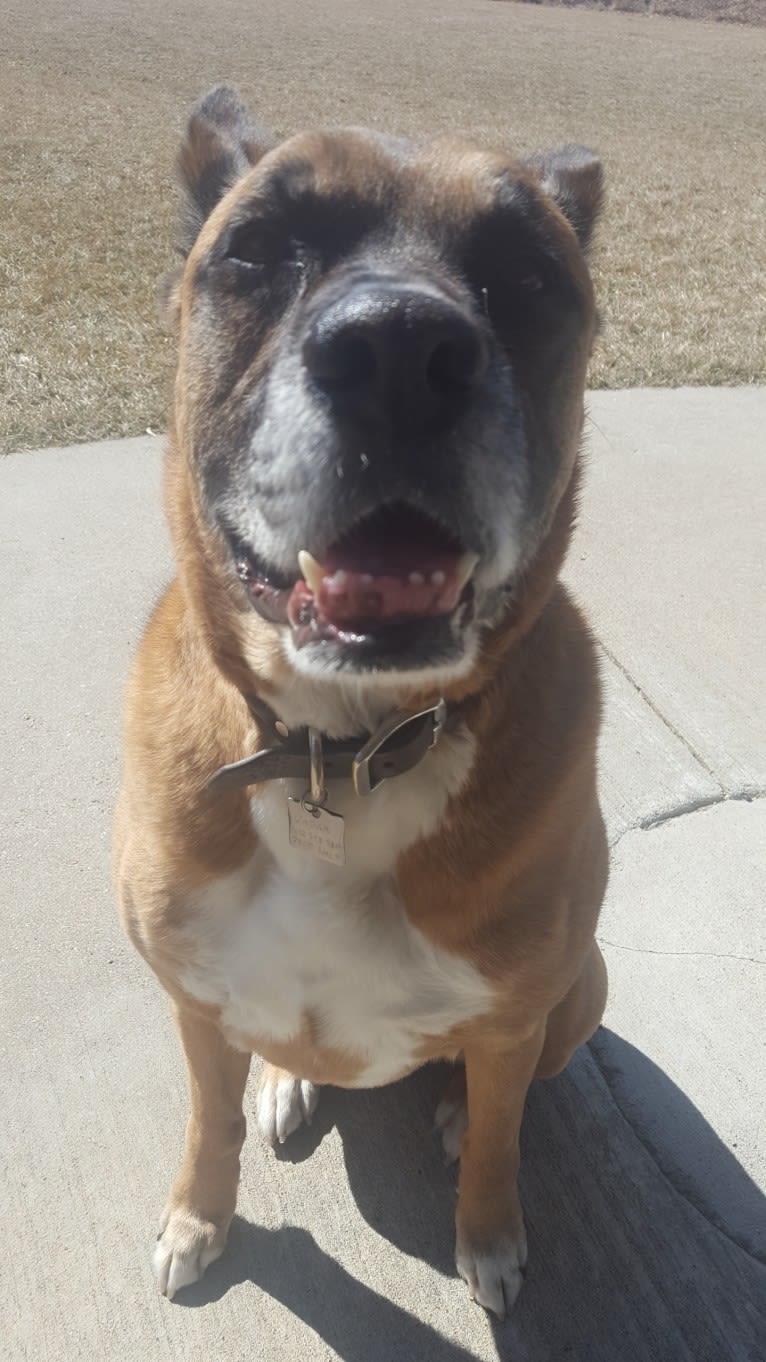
{"points": [[316, 830]]}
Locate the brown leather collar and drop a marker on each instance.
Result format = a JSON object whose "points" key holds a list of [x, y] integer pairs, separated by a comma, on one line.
{"points": [[395, 747]]}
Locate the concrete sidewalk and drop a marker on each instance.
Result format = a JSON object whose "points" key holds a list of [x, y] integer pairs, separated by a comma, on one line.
{"points": [[645, 1164]]}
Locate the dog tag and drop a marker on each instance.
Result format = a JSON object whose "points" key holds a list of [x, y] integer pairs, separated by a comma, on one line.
{"points": [[316, 830]]}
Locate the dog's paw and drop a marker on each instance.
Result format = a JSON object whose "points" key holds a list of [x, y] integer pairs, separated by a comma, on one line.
{"points": [[451, 1121], [185, 1248], [493, 1271], [284, 1103]]}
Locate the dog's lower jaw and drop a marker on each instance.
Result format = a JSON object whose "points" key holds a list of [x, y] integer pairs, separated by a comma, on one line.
{"points": [[314, 663]]}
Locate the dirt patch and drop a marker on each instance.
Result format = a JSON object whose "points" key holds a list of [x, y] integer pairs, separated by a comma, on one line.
{"points": [[95, 96], [717, 11]]}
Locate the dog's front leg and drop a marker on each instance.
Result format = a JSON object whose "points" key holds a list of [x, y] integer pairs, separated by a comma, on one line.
{"points": [[198, 1212], [491, 1240]]}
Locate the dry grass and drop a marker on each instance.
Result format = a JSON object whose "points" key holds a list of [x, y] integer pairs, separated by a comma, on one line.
{"points": [[95, 97]]}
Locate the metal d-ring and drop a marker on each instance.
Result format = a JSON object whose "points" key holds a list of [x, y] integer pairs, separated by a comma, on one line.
{"points": [[317, 791]]}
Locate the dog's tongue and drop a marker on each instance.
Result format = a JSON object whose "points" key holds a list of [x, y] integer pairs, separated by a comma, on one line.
{"points": [[368, 578]]}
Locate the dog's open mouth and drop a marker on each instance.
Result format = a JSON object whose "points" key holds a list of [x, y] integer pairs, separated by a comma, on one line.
{"points": [[394, 570]]}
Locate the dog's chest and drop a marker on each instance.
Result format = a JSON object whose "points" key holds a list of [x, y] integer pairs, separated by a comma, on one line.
{"points": [[289, 937]]}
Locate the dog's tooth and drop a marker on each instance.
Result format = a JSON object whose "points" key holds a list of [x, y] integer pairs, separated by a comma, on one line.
{"points": [[416, 578], [465, 567], [438, 578], [311, 571], [340, 577]]}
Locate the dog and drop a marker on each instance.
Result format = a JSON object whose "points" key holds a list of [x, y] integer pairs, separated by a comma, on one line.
{"points": [[359, 827]]}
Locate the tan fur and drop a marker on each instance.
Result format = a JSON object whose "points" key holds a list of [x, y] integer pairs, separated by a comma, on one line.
{"points": [[514, 875]]}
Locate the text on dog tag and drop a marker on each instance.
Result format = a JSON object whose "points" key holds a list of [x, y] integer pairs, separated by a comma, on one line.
{"points": [[316, 830]]}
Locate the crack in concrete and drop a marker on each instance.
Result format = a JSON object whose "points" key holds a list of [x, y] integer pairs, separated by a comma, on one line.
{"points": [[707, 955], [691, 806], [658, 712], [681, 811], [704, 802]]}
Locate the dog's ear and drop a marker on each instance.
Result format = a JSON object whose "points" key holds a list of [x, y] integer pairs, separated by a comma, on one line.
{"points": [[221, 143], [574, 178]]}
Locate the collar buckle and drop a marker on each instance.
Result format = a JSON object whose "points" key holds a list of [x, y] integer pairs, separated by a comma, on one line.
{"points": [[360, 766]]}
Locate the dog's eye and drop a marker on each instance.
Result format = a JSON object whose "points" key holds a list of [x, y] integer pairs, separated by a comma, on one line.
{"points": [[519, 282], [529, 276], [253, 247], [526, 275], [262, 250]]}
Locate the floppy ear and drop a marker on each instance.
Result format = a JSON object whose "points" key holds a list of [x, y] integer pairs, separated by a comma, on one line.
{"points": [[221, 143], [574, 178]]}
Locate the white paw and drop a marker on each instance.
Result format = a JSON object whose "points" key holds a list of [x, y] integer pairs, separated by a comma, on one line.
{"points": [[284, 1103], [494, 1275], [452, 1121], [185, 1248]]}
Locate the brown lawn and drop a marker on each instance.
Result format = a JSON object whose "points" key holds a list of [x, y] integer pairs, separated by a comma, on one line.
{"points": [[95, 96]]}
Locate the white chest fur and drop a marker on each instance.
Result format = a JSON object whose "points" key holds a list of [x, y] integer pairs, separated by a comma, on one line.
{"points": [[289, 934]]}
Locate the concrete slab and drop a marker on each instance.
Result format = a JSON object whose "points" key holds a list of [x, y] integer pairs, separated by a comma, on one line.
{"points": [[675, 502], [683, 932], [646, 771], [644, 1166]]}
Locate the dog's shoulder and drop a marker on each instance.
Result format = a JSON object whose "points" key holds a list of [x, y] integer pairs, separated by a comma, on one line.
{"points": [[183, 719]]}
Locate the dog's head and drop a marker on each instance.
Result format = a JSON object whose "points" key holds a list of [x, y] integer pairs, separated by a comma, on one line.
{"points": [[383, 350]]}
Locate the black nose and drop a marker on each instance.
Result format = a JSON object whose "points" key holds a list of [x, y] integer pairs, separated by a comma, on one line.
{"points": [[405, 353]]}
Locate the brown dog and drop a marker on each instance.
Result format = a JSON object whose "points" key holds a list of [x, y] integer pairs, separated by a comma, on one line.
{"points": [[359, 828]]}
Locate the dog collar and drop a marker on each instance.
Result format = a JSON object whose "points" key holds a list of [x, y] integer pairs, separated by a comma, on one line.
{"points": [[396, 746]]}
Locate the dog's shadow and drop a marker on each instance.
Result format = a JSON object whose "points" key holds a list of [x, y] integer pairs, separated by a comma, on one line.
{"points": [[593, 1196]]}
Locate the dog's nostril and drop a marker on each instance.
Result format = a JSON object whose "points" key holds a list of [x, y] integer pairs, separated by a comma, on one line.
{"points": [[339, 359], [455, 362]]}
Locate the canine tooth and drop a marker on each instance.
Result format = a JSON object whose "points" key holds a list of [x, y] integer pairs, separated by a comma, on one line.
{"points": [[367, 577], [340, 577], [465, 567], [438, 578], [416, 578], [311, 570]]}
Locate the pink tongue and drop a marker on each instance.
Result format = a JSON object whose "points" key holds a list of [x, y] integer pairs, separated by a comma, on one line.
{"points": [[350, 595]]}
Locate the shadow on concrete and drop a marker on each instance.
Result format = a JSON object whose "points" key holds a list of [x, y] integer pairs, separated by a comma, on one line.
{"points": [[356, 1323], [627, 1263], [685, 1149]]}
